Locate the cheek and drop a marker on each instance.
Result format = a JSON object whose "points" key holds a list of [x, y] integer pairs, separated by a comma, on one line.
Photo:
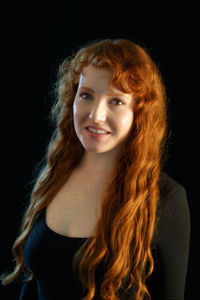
{"points": [[126, 120], [77, 111]]}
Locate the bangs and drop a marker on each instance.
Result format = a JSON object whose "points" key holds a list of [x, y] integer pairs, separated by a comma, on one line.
{"points": [[132, 69], [120, 78]]}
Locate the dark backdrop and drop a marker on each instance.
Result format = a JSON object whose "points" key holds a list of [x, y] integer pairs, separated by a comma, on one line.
{"points": [[39, 35]]}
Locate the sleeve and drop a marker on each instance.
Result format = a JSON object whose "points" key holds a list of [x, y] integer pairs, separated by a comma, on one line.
{"points": [[172, 248], [29, 291]]}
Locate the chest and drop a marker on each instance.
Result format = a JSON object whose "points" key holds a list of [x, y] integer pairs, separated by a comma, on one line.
{"points": [[76, 208]]}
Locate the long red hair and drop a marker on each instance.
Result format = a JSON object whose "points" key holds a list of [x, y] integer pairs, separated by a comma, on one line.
{"points": [[124, 232]]}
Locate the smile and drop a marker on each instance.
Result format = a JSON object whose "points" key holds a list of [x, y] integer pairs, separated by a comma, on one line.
{"points": [[97, 133]]}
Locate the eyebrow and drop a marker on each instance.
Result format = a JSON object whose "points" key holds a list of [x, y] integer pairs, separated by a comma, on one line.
{"points": [[109, 94]]}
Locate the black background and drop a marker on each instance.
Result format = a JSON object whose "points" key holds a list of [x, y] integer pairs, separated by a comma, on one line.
{"points": [[36, 37]]}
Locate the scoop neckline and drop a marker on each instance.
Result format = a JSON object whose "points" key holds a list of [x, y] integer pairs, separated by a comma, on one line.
{"points": [[59, 234]]}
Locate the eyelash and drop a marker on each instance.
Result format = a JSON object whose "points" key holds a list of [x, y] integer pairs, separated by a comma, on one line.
{"points": [[81, 95]]}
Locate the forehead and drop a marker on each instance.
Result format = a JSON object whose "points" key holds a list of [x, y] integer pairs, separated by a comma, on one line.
{"points": [[90, 75]]}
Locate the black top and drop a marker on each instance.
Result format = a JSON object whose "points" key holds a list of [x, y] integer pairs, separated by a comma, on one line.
{"points": [[49, 254]]}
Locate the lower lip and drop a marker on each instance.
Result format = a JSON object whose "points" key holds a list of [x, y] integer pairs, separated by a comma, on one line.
{"points": [[97, 135]]}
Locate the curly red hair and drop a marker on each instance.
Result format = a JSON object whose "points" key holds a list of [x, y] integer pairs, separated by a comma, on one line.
{"points": [[124, 232]]}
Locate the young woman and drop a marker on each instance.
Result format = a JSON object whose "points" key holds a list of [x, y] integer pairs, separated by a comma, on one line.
{"points": [[104, 221]]}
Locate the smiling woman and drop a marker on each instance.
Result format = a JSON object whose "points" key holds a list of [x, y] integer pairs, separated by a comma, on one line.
{"points": [[104, 221], [99, 109]]}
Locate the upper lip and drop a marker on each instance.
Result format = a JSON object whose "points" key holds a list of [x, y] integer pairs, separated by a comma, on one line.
{"points": [[98, 128]]}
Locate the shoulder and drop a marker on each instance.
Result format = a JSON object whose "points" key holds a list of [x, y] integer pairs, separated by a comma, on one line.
{"points": [[171, 241], [173, 209], [172, 193], [168, 185]]}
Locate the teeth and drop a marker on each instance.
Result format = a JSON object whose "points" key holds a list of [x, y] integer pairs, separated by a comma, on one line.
{"points": [[97, 131]]}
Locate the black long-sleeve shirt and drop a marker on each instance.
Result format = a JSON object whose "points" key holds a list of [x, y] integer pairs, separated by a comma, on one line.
{"points": [[49, 254]]}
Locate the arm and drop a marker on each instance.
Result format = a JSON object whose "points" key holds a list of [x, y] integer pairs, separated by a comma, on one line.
{"points": [[172, 248]]}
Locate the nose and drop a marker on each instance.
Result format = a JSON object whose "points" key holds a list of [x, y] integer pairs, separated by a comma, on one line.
{"points": [[98, 113]]}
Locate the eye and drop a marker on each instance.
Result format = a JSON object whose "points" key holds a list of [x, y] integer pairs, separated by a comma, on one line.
{"points": [[117, 100], [85, 96]]}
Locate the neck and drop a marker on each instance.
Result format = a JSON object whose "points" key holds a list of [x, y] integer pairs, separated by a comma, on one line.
{"points": [[97, 164]]}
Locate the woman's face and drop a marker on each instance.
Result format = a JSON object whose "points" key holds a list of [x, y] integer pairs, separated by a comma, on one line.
{"points": [[96, 105]]}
